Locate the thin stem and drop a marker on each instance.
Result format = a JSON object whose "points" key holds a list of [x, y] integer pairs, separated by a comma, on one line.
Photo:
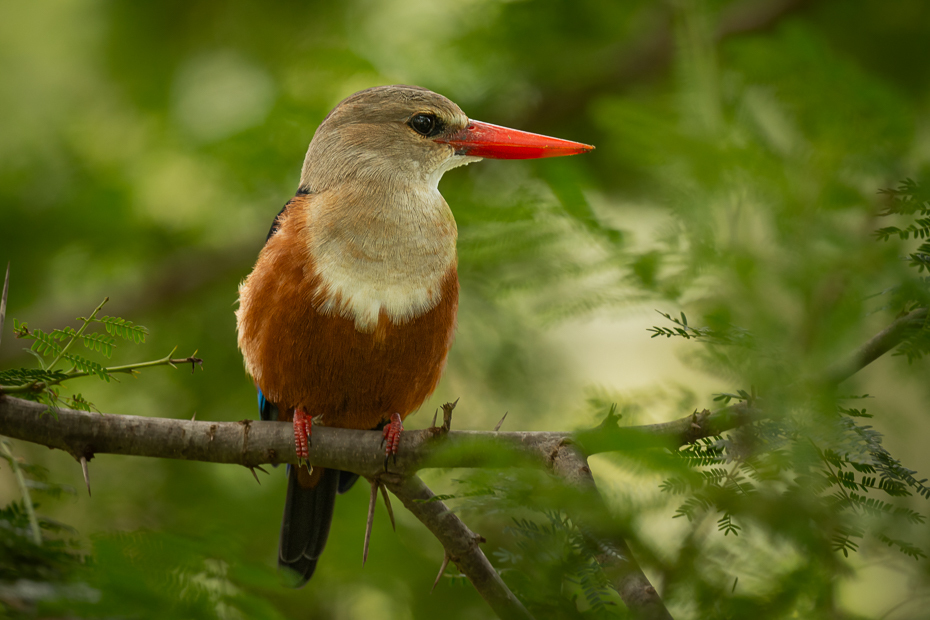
{"points": [[878, 345], [79, 333], [36, 386], [834, 475], [3, 298], [21, 481]]}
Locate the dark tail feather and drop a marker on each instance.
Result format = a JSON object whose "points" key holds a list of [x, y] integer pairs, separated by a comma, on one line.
{"points": [[346, 480], [308, 514]]}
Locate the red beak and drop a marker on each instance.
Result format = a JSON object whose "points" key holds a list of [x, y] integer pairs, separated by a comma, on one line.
{"points": [[492, 141]]}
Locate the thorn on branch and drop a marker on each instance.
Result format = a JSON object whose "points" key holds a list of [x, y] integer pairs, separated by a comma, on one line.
{"points": [[193, 361], [610, 422], [86, 474], [387, 504], [373, 498], [259, 468], [498, 427], [435, 415], [442, 569], [698, 420]]}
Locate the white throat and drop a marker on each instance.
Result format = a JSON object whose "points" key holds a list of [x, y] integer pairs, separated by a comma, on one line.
{"points": [[375, 257]]}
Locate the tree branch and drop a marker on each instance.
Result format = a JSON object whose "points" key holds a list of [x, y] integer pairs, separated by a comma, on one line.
{"points": [[878, 345], [591, 516], [460, 543], [252, 442]]}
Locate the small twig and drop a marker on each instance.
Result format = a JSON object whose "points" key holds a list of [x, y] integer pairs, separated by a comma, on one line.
{"points": [[252, 469], [435, 415], [442, 569], [3, 298], [907, 601], [498, 427], [24, 490], [193, 361], [86, 473], [372, 500], [165, 361], [37, 386], [447, 415], [387, 504], [878, 345], [80, 332]]}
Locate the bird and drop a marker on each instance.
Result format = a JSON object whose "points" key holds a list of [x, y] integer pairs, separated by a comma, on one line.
{"points": [[348, 315]]}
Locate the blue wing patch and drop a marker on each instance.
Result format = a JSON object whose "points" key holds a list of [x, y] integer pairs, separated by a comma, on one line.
{"points": [[266, 409]]}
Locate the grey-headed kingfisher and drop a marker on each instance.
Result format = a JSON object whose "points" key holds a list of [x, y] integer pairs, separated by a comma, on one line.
{"points": [[350, 311]]}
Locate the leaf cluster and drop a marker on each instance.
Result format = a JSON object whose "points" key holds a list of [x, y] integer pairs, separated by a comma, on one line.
{"points": [[50, 561], [725, 335], [838, 465], [911, 200], [21, 558], [554, 570], [44, 384]]}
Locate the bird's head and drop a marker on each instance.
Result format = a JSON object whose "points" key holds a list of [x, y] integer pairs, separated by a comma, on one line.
{"points": [[402, 136]]}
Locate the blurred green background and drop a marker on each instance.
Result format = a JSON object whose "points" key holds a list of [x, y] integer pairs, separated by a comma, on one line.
{"points": [[145, 148]]}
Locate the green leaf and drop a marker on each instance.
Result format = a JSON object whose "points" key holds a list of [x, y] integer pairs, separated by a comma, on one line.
{"points": [[85, 365], [124, 329]]}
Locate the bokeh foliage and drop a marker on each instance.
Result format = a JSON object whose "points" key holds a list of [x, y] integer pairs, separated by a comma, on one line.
{"points": [[146, 147]]}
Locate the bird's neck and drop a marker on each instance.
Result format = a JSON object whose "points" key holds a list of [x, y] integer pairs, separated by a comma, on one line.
{"points": [[381, 252]]}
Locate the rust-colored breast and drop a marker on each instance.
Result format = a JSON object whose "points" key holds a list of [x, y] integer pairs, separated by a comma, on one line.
{"points": [[300, 357]]}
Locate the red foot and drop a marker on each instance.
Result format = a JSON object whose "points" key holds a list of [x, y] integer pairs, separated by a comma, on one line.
{"points": [[391, 437], [303, 426]]}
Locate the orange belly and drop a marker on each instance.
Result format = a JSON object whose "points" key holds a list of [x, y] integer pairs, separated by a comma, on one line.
{"points": [[301, 357]]}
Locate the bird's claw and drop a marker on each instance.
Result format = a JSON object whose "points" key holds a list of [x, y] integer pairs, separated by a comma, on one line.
{"points": [[390, 438], [303, 427]]}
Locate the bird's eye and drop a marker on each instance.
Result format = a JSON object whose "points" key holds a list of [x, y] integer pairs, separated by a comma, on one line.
{"points": [[425, 124]]}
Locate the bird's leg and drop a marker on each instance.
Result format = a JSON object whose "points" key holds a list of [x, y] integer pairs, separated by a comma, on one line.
{"points": [[391, 438], [303, 426]]}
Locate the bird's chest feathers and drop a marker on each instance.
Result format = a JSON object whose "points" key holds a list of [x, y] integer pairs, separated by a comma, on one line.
{"points": [[378, 256]]}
